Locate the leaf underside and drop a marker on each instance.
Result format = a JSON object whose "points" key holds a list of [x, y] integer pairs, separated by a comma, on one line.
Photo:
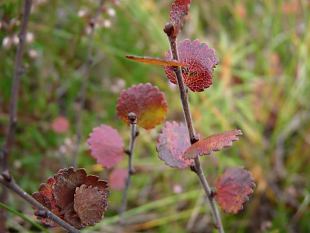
{"points": [[155, 61], [215, 142], [171, 144]]}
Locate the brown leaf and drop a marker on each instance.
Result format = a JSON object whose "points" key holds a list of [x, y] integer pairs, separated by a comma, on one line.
{"points": [[171, 144], [66, 182], [213, 143], [90, 203], [58, 195], [233, 189], [155, 61], [146, 101], [200, 61]]}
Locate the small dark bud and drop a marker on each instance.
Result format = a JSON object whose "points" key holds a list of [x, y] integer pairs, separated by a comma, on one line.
{"points": [[132, 117], [169, 29]]}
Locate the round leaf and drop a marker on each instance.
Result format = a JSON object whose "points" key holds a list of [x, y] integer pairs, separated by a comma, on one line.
{"points": [[117, 179], [233, 189], [106, 146], [200, 61], [89, 203], [171, 144], [146, 101]]}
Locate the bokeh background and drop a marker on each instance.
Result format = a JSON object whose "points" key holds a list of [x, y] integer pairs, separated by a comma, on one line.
{"points": [[261, 86]]}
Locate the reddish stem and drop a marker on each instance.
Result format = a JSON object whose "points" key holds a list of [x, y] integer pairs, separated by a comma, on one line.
{"points": [[169, 29]]}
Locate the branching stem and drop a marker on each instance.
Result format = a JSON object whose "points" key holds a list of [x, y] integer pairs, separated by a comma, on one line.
{"points": [[9, 182], [188, 118], [5, 177], [82, 93], [133, 135]]}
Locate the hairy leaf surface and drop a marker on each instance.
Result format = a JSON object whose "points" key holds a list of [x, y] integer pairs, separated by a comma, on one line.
{"points": [[200, 61], [106, 146], [213, 143], [171, 144], [146, 101], [233, 189]]}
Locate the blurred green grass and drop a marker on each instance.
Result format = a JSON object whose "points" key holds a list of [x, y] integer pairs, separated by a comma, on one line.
{"points": [[261, 86]]}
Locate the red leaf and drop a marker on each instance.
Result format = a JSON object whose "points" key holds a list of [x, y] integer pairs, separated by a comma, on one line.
{"points": [[213, 143], [155, 61], [106, 146], [59, 195], [179, 9], [60, 125], [45, 197], [200, 61], [89, 203], [146, 101], [233, 189], [171, 144], [117, 179]]}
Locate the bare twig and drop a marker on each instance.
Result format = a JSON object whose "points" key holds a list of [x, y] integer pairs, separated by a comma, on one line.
{"points": [[10, 183], [133, 135], [18, 72], [86, 73], [6, 178], [187, 114]]}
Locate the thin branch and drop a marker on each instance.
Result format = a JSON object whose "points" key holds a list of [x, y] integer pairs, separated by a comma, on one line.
{"points": [[86, 74], [9, 182], [18, 72], [188, 118], [133, 135]]}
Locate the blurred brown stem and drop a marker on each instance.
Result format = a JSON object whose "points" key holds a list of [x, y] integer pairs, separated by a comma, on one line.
{"points": [[9, 182], [133, 135], [169, 30], [10, 134], [82, 93]]}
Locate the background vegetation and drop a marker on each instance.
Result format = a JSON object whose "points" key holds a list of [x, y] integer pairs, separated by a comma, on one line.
{"points": [[261, 86]]}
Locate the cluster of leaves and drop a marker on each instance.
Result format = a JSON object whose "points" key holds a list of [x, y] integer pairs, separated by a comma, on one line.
{"points": [[81, 200], [148, 104], [197, 62], [74, 196]]}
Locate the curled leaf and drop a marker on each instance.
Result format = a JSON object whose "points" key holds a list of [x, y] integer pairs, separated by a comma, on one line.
{"points": [[233, 189], [171, 144], [200, 61], [62, 191], [155, 61], [146, 101], [213, 143], [106, 146], [179, 9]]}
